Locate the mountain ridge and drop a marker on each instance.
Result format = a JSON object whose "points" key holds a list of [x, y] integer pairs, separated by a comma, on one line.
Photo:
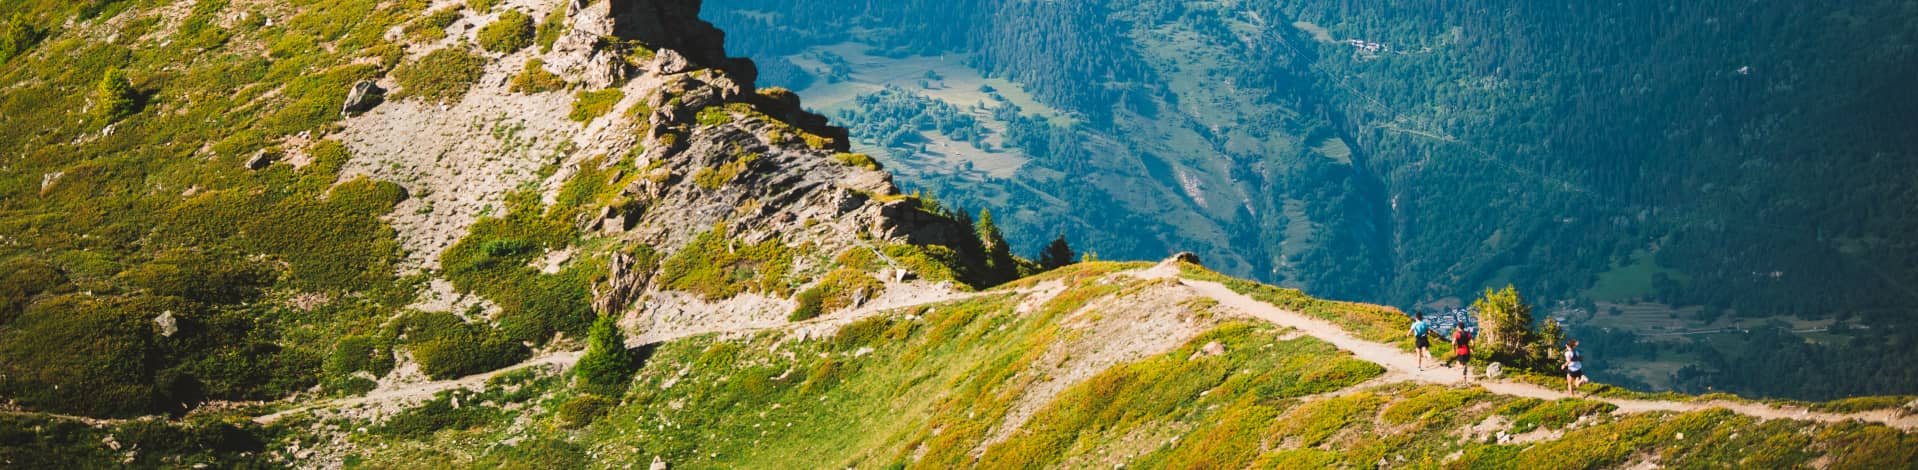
{"points": [[249, 278]]}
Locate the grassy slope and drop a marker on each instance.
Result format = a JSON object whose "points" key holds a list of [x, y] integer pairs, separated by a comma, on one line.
{"points": [[923, 387]]}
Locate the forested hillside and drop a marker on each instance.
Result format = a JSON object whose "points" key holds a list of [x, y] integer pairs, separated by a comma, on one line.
{"points": [[1736, 164]]}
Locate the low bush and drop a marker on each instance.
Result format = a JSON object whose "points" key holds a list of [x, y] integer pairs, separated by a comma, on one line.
{"points": [[583, 410], [432, 27], [447, 347], [440, 76], [714, 116], [550, 29], [858, 160], [510, 33], [535, 79], [841, 288], [438, 414], [716, 267], [590, 105], [1532, 414]]}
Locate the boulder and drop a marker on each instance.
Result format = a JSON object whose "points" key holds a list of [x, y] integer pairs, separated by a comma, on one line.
{"points": [[167, 324], [261, 160], [362, 98], [670, 62], [1494, 370]]}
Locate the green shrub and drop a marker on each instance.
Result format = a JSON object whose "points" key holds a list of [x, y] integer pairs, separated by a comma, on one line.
{"points": [[510, 33], [441, 75], [432, 27], [437, 414], [1532, 413], [550, 29], [839, 289], [583, 410], [715, 178], [482, 6], [85, 356], [535, 79], [714, 116], [22, 278], [52, 442], [358, 353], [858, 160], [447, 347], [1862, 404], [717, 268], [590, 105]]}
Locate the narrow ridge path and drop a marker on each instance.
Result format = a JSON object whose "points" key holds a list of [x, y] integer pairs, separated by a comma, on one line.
{"points": [[1404, 364]]}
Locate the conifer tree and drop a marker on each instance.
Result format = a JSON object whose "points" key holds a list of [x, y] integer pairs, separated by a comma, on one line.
{"points": [[113, 98], [1057, 254], [607, 364]]}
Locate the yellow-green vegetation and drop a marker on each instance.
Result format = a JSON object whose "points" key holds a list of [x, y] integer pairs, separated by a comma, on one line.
{"points": [[1854, 405], [590, 105], [858, 160], [1531, 414], [714, 116], [494, 261], [534, 78], [717, 267], [432, 27], [482, 6], [204, 440], [841, 288], [508, 34], [927, 387], [448, 347], [714, 178], [550, 29], [440, 76]]}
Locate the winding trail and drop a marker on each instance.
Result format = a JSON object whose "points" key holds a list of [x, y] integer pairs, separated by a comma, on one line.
{"points": [[1403, 366], [1400, 365]]}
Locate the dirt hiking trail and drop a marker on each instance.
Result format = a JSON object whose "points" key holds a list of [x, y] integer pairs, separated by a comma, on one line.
{"points": [[1403, 366]]}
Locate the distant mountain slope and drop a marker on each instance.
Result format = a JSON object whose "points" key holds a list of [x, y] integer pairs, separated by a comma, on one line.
{"points": [[1730, 166]]}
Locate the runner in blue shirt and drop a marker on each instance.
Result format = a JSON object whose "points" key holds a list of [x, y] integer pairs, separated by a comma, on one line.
{"points": [[1419, 328]]}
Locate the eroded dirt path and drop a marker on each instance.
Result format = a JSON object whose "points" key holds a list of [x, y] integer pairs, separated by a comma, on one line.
{"points": [[1404, 366]]}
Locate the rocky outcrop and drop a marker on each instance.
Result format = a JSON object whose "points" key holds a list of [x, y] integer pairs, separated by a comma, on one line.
{"points": [[680, 42], [363, 97]]}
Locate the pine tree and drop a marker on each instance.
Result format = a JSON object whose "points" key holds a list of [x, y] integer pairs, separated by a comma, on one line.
{"points": [[1057, 254], [607, 364], [17, 36], [113, 98], [999, 262]]}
